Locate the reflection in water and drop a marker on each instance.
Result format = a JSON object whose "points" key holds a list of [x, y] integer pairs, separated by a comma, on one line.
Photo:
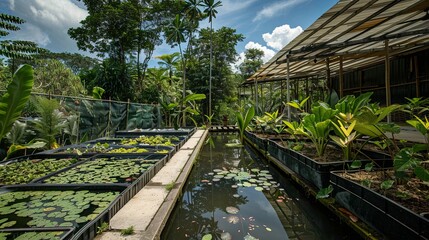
{"points": [[232, 194]]}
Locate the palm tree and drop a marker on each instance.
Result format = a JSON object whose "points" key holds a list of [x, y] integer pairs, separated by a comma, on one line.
{"points": [[169, 62], [211, 13]]}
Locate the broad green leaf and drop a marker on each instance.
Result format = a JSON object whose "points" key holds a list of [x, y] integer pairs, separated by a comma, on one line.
{"points": [[324, 192], [207, 237], [356, 164], [14, 100], [422, 173], [387, 184], [369, 166]]}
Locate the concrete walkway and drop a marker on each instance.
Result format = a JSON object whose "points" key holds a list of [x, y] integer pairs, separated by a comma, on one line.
{"points": [[150, 208]]}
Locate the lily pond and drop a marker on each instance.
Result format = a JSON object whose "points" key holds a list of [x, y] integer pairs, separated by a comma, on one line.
{"points": [[70, 208], [104, 170], [232, 193]]}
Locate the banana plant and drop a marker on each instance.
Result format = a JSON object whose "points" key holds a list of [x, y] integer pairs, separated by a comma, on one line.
{"points": [[244, 120], [13, 101], [317, 126]]}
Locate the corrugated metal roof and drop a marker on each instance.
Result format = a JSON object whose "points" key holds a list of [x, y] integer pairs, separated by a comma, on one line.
{"points": [[355, 30]]}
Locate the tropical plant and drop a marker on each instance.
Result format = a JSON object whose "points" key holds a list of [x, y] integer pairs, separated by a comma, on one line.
{"points": [[422, 127], [16, 49], [412, 159], [210, 10], [50, 122], [244, 120], [13, 101], [299, 105], [345, 137], [169, 62], [317, 126], [416, 106], [97, 92]]}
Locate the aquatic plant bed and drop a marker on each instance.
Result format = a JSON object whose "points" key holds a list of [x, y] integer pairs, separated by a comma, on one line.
{"points": [[25, 170], [89, 150], [317, 173], [60, 233], [159, 131], [379, 211], [35, 206], [104, 170]]}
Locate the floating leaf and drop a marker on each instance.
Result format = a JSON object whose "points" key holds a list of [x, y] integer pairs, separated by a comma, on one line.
{"points": [[233, 219], [268, 229], [232, 210], [258, 189], [207, 237]]}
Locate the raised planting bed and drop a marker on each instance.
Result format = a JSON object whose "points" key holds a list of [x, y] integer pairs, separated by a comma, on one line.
{"points": [[26, 169], [46, 206], [318, 173], [60, 233], [91, 149], [104, 170], [262, 143], [379, 211], [159, 131]]}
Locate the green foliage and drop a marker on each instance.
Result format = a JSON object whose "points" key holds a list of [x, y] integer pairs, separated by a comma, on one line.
{"points": [[14, 100], [97, 92], [50, 123], [385, 185], [325, 192], [412, 159], [103, 227], [244, 120], [344, 138], [298, 105], [53, 77], [127, 231], [169, 186], [317, 126], [252, 62]]}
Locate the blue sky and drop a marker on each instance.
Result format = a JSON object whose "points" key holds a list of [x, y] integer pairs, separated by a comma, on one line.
{"points": [[266, 24]]}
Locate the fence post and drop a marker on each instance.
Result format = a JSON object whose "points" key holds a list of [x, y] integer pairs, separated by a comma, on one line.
{"points": [[126, 118], [159, 115]]}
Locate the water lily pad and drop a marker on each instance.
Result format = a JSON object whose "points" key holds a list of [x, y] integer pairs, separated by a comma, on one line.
{"points": [[216, 179], [234, 186], [232, 210], [255, 170], [247, 184], [217, 170], [218, 176], [250, 237], [225, 236], [233, 219], [236, 195], [207, 237], [258, 189]]}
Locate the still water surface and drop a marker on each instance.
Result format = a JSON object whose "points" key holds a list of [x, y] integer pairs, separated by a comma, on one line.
{"points": [[232, 193]]}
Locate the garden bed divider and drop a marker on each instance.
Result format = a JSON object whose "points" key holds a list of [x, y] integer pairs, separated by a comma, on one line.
{"points": [[379, 211]]}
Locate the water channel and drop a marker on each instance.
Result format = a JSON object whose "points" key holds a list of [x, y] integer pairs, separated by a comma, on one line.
{"points": [[232, 193]]}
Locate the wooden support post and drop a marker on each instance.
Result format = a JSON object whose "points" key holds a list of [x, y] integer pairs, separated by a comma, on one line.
{"points": [[256, 96], [416, 68], [328, 76], [387, 77], [341, 78], [287, 88], [306, 95]]}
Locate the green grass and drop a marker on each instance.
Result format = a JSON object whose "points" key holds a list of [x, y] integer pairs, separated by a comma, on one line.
{"points": [[127, 231]]}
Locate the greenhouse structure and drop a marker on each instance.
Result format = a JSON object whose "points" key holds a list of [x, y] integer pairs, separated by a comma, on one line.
{"points": [[356, 47]]}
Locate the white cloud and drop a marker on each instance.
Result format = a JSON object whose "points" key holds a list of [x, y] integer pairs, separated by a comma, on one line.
{"points": [[33, 33], [281, 36], [268, 53], [276, 8], [47, 22]]}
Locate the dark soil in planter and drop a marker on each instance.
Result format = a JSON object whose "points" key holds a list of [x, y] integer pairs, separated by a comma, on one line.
{"points": [[412, 194], [332, 153]]}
